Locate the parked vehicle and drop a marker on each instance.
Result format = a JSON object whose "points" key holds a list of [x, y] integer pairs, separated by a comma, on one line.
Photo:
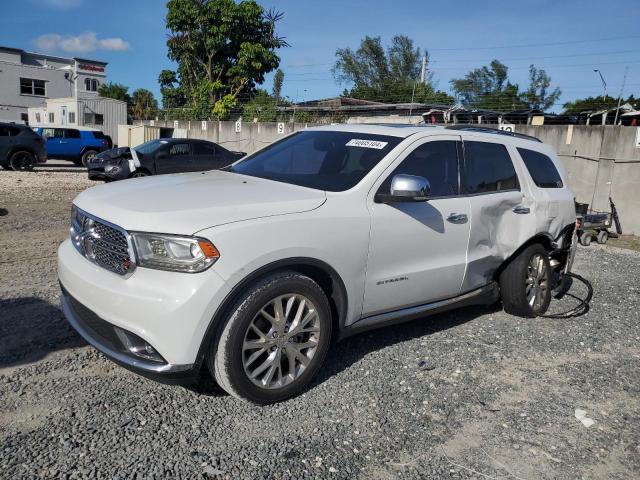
{"points": [[78, 144], [20, 147], [251, 271], [156, 157]]}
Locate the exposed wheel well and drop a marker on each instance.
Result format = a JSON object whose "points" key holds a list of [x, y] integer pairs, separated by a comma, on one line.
{"points": [[324, 275], [20, 149], [543, 239]]}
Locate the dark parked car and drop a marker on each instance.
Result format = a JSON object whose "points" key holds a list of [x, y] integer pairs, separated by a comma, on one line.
{"points": [[78, 144], [156, 157], [20, 147]]}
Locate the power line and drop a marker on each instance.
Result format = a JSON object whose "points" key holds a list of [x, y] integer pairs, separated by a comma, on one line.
{"points": [[569, 42]]}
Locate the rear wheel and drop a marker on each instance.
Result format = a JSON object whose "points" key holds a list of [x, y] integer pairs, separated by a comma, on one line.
{"points": [[87, 156], [585, 239], [22, 161], [525, 283], [274, 340]]}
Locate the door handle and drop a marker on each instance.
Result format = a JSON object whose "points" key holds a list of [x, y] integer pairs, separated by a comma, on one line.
{"points": [[521, 210], [457, 218]]}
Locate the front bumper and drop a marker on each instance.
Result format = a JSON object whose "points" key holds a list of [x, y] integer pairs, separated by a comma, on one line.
{"points": [[101, 334], [100, 173], [170, 311]]}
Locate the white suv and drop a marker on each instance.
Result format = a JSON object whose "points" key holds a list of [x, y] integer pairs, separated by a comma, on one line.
{"points": [[252, 271]]}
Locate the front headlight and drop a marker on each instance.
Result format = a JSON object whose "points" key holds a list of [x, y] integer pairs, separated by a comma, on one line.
{"points": [[174, 253]]}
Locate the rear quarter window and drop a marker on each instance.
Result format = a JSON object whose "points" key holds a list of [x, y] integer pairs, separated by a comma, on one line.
{"points": [[541, 168], [98, 135]]}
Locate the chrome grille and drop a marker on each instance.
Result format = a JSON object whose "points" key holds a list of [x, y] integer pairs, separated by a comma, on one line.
{"points": [[102, 243]]}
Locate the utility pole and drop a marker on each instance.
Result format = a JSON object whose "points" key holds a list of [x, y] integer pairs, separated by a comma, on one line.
{"points": [[423, 70], [624, 81]]}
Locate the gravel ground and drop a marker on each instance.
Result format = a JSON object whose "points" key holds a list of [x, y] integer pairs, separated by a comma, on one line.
{"points": [[496, 398]]}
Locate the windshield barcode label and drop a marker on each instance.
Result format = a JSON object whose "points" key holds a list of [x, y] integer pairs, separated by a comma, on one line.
{"points": [[366, 144]]}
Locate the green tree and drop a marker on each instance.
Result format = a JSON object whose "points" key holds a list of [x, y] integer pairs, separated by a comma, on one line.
{"points": [[597, 103], [144, 105], [172, 93], [222, 48], [487, 87], [278, 79], [116, 91], [538, 95], [386, 75], [262, 107]]}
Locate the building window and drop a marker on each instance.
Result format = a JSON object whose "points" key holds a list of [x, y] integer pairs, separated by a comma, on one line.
{"points": [[72, 117], [37, 117], [30, 86], [52, 117], [24, 117], [93, 119], [91, 84]]}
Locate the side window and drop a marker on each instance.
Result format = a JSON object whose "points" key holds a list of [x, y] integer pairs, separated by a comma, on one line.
{"points": [[201, 148], [179, 149], [71, 133], [4, 131], [436, 161], [541, 169], [52, 133], [488, 168]]}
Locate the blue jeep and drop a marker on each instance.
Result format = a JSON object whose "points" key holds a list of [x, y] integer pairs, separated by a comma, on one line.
{"points": [[78, 144]]}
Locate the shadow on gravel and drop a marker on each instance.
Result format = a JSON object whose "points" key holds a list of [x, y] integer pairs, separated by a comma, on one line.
{"points": [[30, 329], [344, 354]]}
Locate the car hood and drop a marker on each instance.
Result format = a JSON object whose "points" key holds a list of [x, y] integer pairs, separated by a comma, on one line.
{"points": [[186, 203]]}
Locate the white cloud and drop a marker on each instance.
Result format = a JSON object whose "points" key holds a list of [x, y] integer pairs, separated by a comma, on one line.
{"points": [[84, 43]]}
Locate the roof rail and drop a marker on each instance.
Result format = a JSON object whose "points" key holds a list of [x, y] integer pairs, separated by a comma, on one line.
{"points": [[495, 131]]}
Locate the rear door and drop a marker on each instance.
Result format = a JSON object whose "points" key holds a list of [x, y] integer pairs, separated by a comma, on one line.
{"points": [[501, 218], [71, 143], [205, 156]]}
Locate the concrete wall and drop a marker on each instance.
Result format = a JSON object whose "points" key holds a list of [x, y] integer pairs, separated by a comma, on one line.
{"points": [[600, 160]]}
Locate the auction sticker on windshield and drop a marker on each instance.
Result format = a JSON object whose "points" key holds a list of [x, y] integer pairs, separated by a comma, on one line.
{"points": [[366, 143]]}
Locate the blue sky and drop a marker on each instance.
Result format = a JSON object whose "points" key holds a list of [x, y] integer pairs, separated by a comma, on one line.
{"points": [[459, 35]]}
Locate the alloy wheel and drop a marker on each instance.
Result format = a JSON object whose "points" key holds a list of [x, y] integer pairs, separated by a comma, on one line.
{"points": [[537, 282], [280, 341]]}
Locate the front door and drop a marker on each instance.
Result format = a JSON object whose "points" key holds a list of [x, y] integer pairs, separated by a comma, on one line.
{"points": [[417, 250], [54, 138], [179, 159]]}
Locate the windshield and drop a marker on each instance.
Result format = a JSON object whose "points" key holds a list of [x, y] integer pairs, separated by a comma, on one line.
{"points": [[150, 146], [324, 160]]}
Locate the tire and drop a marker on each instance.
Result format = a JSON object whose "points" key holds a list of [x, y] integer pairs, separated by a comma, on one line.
{"points": [[602, 237], [86, 155], [239, 351], [585, 239], [139, 174], [22, 161], [525, 290]]}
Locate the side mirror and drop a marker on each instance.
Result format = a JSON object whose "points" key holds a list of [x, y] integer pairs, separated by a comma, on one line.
{"points": [[406, 188]]}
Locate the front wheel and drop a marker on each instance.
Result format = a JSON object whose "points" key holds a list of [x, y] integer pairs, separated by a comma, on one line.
{"points": [[525, 283], [274, 339], [139, 174]]}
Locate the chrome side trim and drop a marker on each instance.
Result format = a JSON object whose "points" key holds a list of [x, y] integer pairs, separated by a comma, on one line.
{"points": [[483, 295], [138, 364]]}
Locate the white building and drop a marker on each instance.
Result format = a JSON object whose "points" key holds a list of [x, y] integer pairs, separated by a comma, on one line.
{"points": [[98, 112]]}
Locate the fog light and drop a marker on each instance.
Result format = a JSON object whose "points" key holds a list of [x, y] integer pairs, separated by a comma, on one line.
{"points": [[137, 346]]}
